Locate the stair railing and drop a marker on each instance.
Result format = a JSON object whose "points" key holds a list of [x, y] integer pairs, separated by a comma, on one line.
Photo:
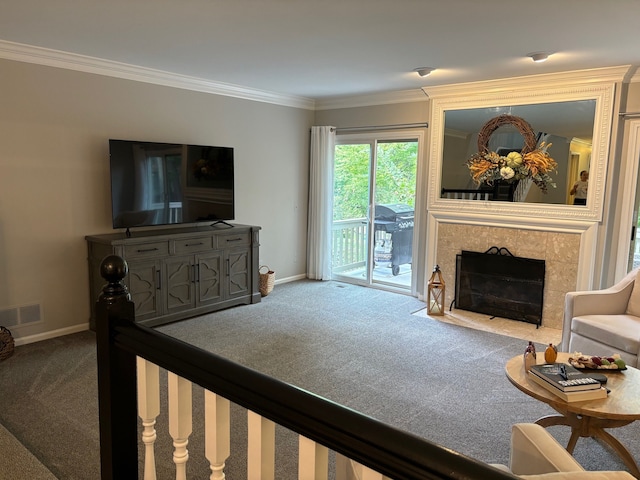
{"points": [[129, 356]]}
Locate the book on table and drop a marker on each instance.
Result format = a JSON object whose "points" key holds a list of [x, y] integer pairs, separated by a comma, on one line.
{"points": [[577, 396], [565, 377]]}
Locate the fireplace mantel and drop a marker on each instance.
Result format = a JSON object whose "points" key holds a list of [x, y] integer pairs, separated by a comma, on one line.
{"points": [[567, 237], [568, 248]]}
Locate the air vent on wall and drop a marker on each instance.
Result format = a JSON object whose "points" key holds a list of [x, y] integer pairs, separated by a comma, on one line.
{"points": [[16, 316]]}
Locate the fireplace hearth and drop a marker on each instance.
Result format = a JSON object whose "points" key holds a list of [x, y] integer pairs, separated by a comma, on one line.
{"points": [[499, 284]]}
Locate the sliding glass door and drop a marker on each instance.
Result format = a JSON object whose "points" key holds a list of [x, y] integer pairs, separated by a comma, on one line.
{"points": [[373, 212]]}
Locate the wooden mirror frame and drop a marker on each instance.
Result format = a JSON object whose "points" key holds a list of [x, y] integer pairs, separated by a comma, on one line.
{"points": [[597, 84]]}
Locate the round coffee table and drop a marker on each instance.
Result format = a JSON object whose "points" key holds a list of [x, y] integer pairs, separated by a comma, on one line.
{"points": [[588, 418]]}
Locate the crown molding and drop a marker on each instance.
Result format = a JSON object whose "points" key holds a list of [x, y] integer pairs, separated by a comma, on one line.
{"points": [[524, 84], [622, 73], [385, 98], [55, 58], [82, 63]]}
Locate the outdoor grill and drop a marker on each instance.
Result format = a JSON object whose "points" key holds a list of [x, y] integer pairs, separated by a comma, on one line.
{"points": [[393, 226]]}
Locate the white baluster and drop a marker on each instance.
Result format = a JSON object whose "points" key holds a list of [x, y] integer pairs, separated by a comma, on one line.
{"points": [[313, 460], [368, 474], [261, 448], [148, 410], [217, 433], [180, 407], [345, 467]]}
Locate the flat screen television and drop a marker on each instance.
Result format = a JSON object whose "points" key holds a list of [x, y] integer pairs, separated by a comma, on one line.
{"points": [[168, 183]]}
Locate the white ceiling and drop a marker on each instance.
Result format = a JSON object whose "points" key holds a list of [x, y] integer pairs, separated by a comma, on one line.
{"points": [[320, 49]]}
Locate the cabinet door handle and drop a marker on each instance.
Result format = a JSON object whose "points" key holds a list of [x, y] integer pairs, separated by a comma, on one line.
{"points": [[193, 244], [143, 250], [158, 280], [228, 268], [234, 239], [195, 275]]}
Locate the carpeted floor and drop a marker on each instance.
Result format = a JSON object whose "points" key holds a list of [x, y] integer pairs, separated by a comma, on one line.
{"points": [[360, 347], [18, 462]]}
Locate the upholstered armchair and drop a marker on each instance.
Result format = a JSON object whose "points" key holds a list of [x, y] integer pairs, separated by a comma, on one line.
{"points": [[535, 454], [604, 322]]}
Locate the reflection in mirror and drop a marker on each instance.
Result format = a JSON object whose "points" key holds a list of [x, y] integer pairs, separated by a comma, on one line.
{"points": [[568, 126]]}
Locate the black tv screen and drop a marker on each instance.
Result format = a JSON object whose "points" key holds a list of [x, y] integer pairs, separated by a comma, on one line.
{"points": [[167, 183]]}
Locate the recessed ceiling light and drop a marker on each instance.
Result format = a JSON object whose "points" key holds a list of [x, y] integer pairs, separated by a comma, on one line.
{"points": [[538, 56], [424, 71]]}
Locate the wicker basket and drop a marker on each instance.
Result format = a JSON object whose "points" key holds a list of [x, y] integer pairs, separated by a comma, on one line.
{"points": [[6, 343], [266, 280]]}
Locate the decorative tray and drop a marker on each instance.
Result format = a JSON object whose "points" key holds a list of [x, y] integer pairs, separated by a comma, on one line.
{"points": [[612, 363]]}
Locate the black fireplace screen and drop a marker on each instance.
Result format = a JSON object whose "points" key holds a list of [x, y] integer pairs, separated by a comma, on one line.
{"points": [[499, 284]]}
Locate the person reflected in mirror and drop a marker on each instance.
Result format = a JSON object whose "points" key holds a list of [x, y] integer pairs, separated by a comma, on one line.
{"points": [[579, 189]]}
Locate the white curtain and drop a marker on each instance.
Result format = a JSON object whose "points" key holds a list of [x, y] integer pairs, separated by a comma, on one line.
{"points": [[323, 140]]}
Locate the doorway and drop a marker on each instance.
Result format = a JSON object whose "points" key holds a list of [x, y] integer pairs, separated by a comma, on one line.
{"points": [[373, 210], [634, 244], [628, 257]]}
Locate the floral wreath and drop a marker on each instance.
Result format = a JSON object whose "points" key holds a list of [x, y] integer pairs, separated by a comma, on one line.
{"points": [[531, 162]]}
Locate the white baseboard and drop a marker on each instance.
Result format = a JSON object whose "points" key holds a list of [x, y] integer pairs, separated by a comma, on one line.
{"points": [[290, 279], [52, 334], [85, 326]]}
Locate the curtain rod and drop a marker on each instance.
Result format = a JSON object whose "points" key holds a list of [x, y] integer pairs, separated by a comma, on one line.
{"points": [[629, 114], [381, 127]]}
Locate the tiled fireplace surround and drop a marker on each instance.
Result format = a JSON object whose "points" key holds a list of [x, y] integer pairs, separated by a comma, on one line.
{"points": [[560, 251]]}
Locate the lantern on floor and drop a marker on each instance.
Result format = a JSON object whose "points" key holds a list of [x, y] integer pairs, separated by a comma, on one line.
{"points": [[435, 305]]}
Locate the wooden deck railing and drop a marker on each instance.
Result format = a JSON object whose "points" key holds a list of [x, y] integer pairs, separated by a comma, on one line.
{"points": [[466, 193], [349, 244], [123, 346]]}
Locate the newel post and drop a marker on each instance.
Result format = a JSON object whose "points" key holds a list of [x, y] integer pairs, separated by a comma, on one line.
{"points": [[116, 377]]}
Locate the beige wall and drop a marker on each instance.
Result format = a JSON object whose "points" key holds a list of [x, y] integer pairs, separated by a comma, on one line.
{"points": [[54, 175], [54, 184], [633, 98], [391, 114]]}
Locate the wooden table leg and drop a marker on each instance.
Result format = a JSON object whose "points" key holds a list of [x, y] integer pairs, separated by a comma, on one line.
{"points": [[621, 450], [553, 420], [582, 426]]}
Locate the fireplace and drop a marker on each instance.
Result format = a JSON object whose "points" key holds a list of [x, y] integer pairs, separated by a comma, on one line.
{"points": [[500, 284]]}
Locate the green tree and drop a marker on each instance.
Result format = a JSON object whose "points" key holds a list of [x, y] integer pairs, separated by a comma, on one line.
{"points": [[395, 177], [396, 172]]}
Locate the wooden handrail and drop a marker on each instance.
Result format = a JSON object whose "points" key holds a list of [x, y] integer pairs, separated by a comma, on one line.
{"points": [[383, 448]]}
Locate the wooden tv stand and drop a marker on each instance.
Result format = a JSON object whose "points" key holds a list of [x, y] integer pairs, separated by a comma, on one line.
{"points": [[178, 273]]}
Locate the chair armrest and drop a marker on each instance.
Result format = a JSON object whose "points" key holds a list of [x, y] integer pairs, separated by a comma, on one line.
{"points": [[608, 301], [534, 451]]}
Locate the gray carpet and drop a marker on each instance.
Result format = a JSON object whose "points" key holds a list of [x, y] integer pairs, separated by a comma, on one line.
{"points": [[18, 462], [357, 346]]}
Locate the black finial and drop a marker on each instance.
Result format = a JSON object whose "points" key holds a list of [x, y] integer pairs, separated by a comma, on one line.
{"points": [[113, 269]]}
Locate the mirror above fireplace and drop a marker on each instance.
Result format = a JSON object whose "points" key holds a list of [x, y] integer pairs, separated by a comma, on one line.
{"points": [[573, 112], [567, 127]]}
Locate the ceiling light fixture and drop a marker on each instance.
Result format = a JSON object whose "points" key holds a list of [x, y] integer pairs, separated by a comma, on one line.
{"points": [[424, 71], [538, 56]]}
